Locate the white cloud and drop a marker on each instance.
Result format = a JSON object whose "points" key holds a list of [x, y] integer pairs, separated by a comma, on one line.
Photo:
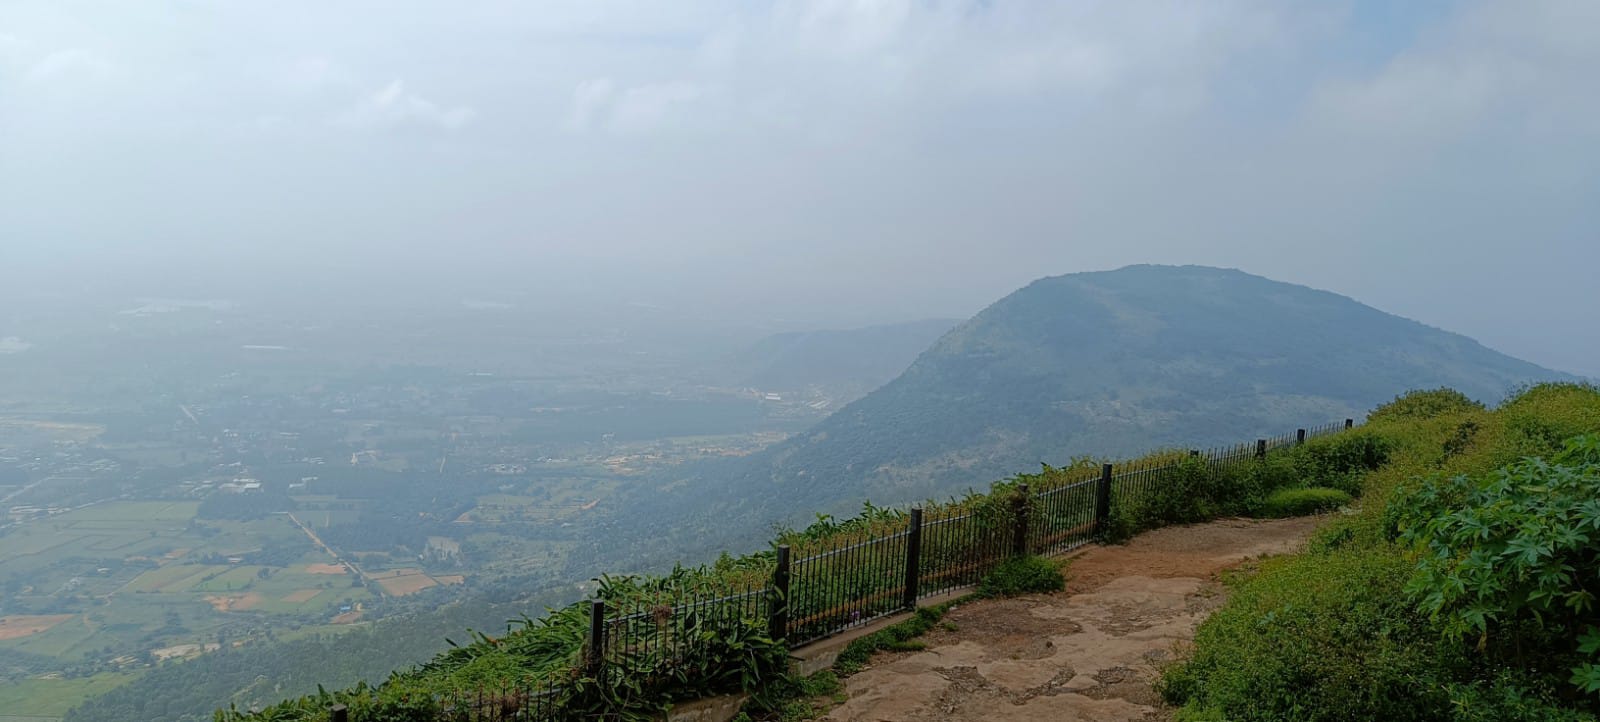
{"points": [[69, 64], [589, 103], [598, 105], [1511, 65], [313, 73], [393, 106], [648, 107]]}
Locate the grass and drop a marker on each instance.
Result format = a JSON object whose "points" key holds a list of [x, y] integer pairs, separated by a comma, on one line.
{"points": [[51, 698], [1300, 502], [1022, 575], [898, 637]]}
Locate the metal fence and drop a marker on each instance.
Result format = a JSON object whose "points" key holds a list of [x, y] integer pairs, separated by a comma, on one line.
{"points": [[856, 579], [503, 703]]}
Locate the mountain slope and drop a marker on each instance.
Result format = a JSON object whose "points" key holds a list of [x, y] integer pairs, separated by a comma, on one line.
{"points": [[1111, 363], [848, 362]]}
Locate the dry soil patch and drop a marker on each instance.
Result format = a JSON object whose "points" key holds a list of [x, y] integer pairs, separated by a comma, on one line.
{"points": [[234, 602], [18, 626]]}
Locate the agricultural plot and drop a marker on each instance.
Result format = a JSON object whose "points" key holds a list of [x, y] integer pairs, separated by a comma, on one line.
{"points": [[400, 582], [49, 699], [300, 596], [140, 514], [126, 570], [229, 580], [563, 502], [171, 578], [18, 626], [63, 639]]}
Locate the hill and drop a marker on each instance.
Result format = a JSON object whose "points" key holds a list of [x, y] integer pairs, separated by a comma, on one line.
{"points": [[844, 363], [1113, 362]]}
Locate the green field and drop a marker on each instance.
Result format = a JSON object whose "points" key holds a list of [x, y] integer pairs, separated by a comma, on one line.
{"points": [[139, 513], [48, 699], [98, 563], [172, 577]]}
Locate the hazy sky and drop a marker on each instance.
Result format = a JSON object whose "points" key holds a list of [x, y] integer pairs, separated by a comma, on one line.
{"points": [[840, 159]]}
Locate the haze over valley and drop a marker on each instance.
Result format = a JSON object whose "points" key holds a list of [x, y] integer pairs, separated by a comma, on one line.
{"points": [[331, 332]]}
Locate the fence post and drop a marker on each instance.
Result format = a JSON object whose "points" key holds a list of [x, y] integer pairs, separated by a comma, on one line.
{"points": [[1349, 424], [1020, 505], [1102, 501], [1194, 452], [1261, 448], [339, 713], [1299, 437], [778, 612], [913, 560], [597, 637]]}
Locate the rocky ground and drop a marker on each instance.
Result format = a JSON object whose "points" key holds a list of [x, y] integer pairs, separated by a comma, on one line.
{"points": [[1090, 653]]}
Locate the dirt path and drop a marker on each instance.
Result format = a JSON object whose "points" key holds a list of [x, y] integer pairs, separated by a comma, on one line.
{"points": [[1088, 654]]}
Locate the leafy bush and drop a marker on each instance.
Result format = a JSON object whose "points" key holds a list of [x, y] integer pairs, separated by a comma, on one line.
{"points": [[1339, 461], [1510, 696], [1333, 634], [1417, 405], [1323, 637], [1509, 560], [1189, 491], [1299, 502], [1022, 575]]}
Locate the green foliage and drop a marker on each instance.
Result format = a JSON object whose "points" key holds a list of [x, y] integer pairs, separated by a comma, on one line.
{"points": [[1190, 489], [1027, 574], [1509, 696], [1340, 461], [1299, 502], [676, 658], [1509, 559], [1499, 547], [1324, 637], [898, 637], [791, 698], [1417, 405]]}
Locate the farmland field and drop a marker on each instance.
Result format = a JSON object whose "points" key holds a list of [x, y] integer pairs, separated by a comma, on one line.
{"points": [[24, 625], [158, 576], [48, 699]]}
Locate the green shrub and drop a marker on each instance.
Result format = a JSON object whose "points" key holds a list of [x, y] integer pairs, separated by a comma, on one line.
{"points": [[1299, 502], [1416, 405], [1333, 634], [1022, 575], [1184, 494], [1507, 561], [1339, 461], [1316, 637], [1510, 696]]}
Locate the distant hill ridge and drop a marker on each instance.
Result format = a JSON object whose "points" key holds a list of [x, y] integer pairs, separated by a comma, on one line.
{"points": [[848, 362], [1115, 362]]}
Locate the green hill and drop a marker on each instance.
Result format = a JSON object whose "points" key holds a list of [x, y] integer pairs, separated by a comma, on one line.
{"points": [[1115, 362], [848, 363]]}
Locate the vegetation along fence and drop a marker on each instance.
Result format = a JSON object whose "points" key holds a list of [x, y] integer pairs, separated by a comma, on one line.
{"points": [[856, 573]]}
